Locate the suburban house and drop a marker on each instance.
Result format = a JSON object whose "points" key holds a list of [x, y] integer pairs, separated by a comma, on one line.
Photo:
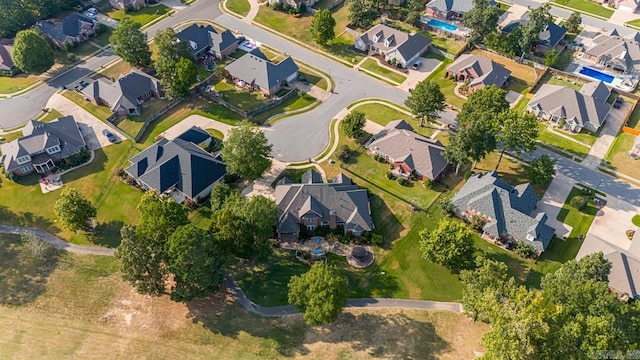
{"points": [[616, 52], [42, 146], [7, 67], [393, 44], [75, 28], [586, 108], [127, 4], [314, 203], [178, 167], [448, 9], [125, 95], [409, 152], [505, 209], [550, 37], [630, 6], [294, 3], [255, 71], [205, 40], [478, 71]]}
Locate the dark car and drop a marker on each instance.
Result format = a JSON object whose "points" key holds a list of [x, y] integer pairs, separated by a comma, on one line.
{"points": [[240, 39], [303, 80], [618, 103], [109, 135]]}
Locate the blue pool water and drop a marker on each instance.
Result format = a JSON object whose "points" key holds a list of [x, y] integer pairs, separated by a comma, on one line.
{"points": [[442, 25], [592, 73], [318, 252]]}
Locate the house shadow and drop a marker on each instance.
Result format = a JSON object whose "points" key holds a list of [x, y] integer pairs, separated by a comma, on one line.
{"points": [[106, 234], [95, 166], [386, 222]]}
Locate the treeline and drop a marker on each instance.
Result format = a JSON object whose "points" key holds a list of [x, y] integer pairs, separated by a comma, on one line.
{"points": [[20, 14]]}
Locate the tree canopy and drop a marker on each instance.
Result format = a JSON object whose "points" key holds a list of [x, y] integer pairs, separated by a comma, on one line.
{"points": [[541, 170], [518, 132], [130, 43], [246, 151], [538, 20], [72, 210], [450, 244], [219, 195], [353, 123], [481, 19], [32, 52], [426, 101], [362, 13], [320, 294], [322, 27], [21, 14], [174, 64], [573, 22]]}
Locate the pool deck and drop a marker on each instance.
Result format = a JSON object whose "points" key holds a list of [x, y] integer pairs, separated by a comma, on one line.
{"points": [[625, 83], [460, 29]]}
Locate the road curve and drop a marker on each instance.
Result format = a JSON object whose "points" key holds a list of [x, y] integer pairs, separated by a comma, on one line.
{"points": [[57, 242]]}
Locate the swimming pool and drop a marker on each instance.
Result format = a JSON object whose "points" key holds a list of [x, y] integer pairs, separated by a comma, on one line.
{"points": [[442, 25], [592, 73]]}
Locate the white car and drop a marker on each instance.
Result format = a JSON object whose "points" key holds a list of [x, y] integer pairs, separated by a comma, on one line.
{"points": [[90, 15], [416, 65], [93, 10]]}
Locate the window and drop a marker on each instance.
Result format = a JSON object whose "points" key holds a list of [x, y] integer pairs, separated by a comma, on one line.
{"points": [[53, 149], [325, 223], [23, 159], [310, 227], [311, 221], [25, 169]]}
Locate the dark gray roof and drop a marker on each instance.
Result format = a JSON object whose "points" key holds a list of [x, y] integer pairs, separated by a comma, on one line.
{"points": [[70, 26], [488, 72], [506, 207], [616, 50], [421, 154], [6, 48], [585, 106], [407, 45], [176, 164], [341, 179], [39, 136], [552, 34], [200, 37], [195, 135], [311, 177], [253, 68], [625, 273], [124, 92], [459, 6], [350, 204]]}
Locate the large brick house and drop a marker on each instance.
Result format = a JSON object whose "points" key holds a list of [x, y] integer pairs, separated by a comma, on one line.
{"points": [[260, 74], [204, 40], [393, 44], [479, 72], [75, 28]]}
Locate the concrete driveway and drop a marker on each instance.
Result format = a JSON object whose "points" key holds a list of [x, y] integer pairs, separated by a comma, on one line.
{"points": [[415, 76], [104, 19], [612, 222], [551, 203], [90, 126], [607, 135]]}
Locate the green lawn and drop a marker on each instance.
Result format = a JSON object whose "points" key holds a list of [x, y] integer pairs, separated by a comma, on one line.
{"points": [[635, 220], [564, 59], [372, 65], [446, 86], [383, 114], [202, 72], [584, 136], [618, 158], [291, 104], [551, 138], [635, 23], [84, 49], [522, 105], [102, 39], [142, 16], [634, 119], [117, 70], [9, 85], [101, 112], [587, 7], [132, 124], [314, 78], [444, 43], [240, 7], [562, 81], [563, 250], [243, 99]]}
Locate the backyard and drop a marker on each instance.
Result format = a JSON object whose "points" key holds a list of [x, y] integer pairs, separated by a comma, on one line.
{"points": [[586, 7], [142, 16], [240, 7], [383, 114], [132, 124], [382, 71], [241, 98], [520, 71]]}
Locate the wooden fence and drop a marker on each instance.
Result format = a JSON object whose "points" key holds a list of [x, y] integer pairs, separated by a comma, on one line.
{"points": [[251, 113], [154, 116]]}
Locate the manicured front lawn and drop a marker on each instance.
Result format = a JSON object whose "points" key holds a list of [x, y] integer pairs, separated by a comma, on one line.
{"points": [[551, 138], [561, 251], [101, 112], [313, 78], [446, 86], [9, 85], [372, 65], [84, 49], [635, 23], [291, 104], [102, 39], [240, 7], [584, 136], [383, 114], [117, 70], [587, 7], [618, 156], [243, 99], [142, 16]]}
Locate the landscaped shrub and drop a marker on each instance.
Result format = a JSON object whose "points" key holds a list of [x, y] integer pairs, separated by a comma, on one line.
{"points": [[68, 46], [345, 153], [578, 202], [371, 238], [477, 223], [71, 56], [525, 250], [229, 178], [389, 175], [77, 159], [402, 181], [467, 175], [447, 206], [427, 183], [562, 123]]}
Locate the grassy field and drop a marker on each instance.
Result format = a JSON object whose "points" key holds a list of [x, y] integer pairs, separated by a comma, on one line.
{"points": [[563, 250], [291, 104], [9, 85], [382, 115], [618, 158], [561, 81], [551, 137], [372, 65], [142, 16], [101, 112], [240, 7], [117, 70], [132, 124], [71, 306], [587, 7]]}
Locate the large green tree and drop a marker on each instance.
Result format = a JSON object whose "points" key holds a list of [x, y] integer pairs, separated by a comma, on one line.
{"points": [[21, 14], [320, 294], [246, 151], [518, 132], [32, 52], [573, 22], [219, 195], [481, 19], [195, 262], [130, 43], [179, 86], [174, 64], [538, 20], [322, 27], [450, 244], [485, 287], [541, 170], [362, 13], [353, 123], [72, 210], [426, 101]]}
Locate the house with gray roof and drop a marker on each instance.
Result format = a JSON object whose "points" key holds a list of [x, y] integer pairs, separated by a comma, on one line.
{"points": [[505, 209], [203, 40], [75, 28], [177, 167], [614, 51], [314, 203], [586, 108], [7, 67], [255, 71], [550, 37], [42, 146], [449, 9], [125, 95], [127, 4], [410, 153], [478, 71], [393, 44]]}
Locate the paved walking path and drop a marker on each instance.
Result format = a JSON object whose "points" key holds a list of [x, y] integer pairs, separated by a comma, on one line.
{"points": [[57, 242]]}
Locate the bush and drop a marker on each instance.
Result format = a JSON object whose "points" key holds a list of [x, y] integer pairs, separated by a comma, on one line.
{"points": [[402, 181], [467, 175], [77, 159], [447, 206], [68, 46], [578, 202], [71, 56], [477, 223], [389, 175], [525, 250], [562, 123], [345, 153], [229, 178], [427, 183], [371, 238]]}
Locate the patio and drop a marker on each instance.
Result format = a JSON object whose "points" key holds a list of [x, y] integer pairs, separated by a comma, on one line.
{"points": [[358, 256], [50, 183]]}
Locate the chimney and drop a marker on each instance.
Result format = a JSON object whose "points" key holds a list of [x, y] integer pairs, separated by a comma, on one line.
{"points": [[333, 220]]}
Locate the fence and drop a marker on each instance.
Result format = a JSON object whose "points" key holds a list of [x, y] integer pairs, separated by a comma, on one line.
{"points": [[352, 31], [154, 116], [248, 114], [583, 80], [445, 54]]}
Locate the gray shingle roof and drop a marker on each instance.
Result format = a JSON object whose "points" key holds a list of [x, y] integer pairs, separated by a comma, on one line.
{"points": [[195, 135], [616, 50], [459, 6], [585, 106], [70, 26], [253, 68], [124, 92], [552, 34], [201, 37], [37, 136], [407, 45], [400, 144], [311, 177], [506, 207], [350, 204], [488, 72], [6, 48], [176, 164]]}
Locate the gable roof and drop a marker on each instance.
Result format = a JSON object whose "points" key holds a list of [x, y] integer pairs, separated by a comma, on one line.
{"points": [[349, 204], [6, 48], [178, 164], [552, 34], [200, 37], [311, 177], [585, 106], [400, 143], [38, 136], [507, 208], [124, 92], [459, 6], [71, 26], [488, 71], [254, 68], [616, 50], [195, 135], [387, 38]]}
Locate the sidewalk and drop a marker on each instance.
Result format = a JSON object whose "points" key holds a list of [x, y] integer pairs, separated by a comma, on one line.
{"points": [[255, 7]]}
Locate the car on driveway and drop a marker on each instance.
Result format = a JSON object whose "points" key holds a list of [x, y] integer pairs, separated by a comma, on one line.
{"points": [[416, 65], [109, 135], [303, 80], [618, 103], [90, 15]]}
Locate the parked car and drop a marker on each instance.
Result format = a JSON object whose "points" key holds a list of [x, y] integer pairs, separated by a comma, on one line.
{"points": [[303, 80], [90, 15], [109, 135], [618, 103], [416, 65], [93, 10], [83, 84]]}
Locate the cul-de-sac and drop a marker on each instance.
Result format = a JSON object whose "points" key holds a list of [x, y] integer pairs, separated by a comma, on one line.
{"points": [[320, 179]]}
